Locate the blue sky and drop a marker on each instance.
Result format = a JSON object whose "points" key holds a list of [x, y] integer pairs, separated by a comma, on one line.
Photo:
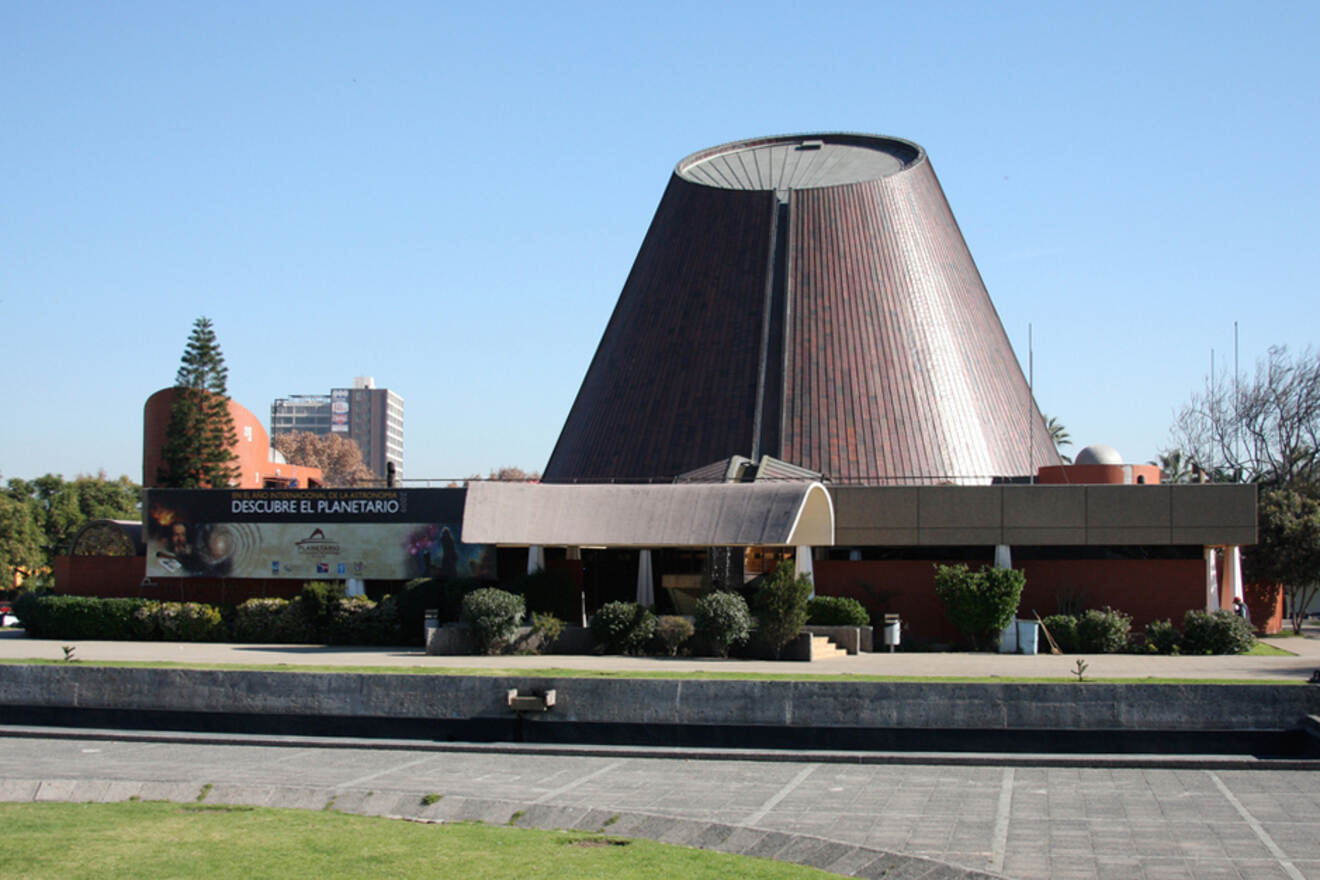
{"points": [[449, 199]]}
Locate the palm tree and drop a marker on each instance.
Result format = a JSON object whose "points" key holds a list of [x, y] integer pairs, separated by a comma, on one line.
{"points": [[1174, 467], [1059, 437]]}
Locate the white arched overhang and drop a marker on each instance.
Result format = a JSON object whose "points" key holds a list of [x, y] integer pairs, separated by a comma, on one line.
{"points": [[666, 515]]}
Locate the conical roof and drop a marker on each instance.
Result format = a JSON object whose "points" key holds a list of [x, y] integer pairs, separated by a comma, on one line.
{"points": [[808, 297]]}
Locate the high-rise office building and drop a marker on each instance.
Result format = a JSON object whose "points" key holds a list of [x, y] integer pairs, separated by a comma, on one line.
{"points": [[372, 417]]}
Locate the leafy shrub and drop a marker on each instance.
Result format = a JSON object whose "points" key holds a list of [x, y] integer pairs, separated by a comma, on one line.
{"points": [[980, 604], [837, 611], [413, 601], [264, 620], [319, 603], [189, 622], [356, 620], [1064, 629], [493, 615], [50, 616], [722, 618], [1103, 631], [781, 606], [550, 591], [1162, 637], [546, 628], [622, 627], [1218, 632], [673, 631]]}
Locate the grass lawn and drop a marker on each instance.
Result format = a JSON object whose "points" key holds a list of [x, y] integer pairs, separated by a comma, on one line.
{"points": [[1265, 649], [163, 840], [698, 675]]}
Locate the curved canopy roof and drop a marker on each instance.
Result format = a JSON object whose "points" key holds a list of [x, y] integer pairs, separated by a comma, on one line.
{"points": [[665, 515]]}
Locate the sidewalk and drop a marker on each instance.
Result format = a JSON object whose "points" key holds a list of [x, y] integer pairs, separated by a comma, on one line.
{"points": [[14, 645]]}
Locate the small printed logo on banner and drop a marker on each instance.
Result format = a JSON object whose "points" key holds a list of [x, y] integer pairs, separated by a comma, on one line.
{"points": [[274, 566], [322, 568]]}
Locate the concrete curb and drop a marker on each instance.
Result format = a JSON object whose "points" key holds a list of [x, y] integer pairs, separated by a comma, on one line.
{"points": [[836, 857], [960, 759]]}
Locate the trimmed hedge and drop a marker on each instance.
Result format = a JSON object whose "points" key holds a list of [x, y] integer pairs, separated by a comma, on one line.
{"points": [[837, 611]]}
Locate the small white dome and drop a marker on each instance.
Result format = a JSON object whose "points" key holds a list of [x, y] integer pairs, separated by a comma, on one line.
{"points": [[1098, 453]]}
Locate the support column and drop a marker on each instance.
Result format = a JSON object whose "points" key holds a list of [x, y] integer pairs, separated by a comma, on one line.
{"points": [[1211, 580], [1233, 574]]}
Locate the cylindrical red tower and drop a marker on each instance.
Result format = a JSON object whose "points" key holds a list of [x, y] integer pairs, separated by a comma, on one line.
{"points": [[808, 297]]}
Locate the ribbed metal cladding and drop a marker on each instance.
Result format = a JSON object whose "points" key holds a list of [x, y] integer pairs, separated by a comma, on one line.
{"points": [[867, 337], [673, 385]]}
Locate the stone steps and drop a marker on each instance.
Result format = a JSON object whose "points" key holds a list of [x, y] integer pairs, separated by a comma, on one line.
{"points": [[824, 649]]}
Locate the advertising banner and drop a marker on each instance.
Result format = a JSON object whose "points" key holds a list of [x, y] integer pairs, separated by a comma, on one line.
{"points": [[311, 534], [339, 410]]}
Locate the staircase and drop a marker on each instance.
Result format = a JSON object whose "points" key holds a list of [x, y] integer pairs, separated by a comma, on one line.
{"points": [[824, 649]]}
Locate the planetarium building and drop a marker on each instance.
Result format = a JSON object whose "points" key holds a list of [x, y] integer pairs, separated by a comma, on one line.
{"points": [[809, 298]]}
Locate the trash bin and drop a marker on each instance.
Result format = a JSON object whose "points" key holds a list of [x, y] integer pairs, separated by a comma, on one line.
{"points": [[892, 629], [1027, 633], [1008, 639]]}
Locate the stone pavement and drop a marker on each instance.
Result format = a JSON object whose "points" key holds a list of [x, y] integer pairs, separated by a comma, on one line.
{"points": [[14, 645], [937, 822]]}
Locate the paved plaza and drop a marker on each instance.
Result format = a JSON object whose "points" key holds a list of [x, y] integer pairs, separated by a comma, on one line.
{"points": [[1298, 666], [872, 820]]}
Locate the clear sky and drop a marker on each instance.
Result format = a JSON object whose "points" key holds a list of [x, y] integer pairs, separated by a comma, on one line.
{"points": [[448, 198]]}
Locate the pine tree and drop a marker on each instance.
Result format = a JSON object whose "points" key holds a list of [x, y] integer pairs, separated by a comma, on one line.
{"points": [[200, 439]]}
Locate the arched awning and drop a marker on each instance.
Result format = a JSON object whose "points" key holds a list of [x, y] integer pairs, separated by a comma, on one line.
{"points": [[667, 515]]}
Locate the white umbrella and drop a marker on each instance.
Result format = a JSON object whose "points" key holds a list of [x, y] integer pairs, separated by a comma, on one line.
{"points": [[535, 559], [645, 580], [802, 565], [1211, 581]]}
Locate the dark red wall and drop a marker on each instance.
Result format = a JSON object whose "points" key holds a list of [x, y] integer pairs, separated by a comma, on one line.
{"points": [[1147, 589]]}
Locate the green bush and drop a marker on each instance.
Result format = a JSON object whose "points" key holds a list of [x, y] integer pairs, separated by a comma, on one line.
{"points": [[319, 603], [622, 627], [493, 615], [50, 616], [1218, 632], [546, 628], [360, 621], [722, 618], [265, 620], [1162, 637], [837, 611], [1064, 629], [781, 606], [418, 596], [980, 604], [1103, 631], [673, 631], [189, 622]]}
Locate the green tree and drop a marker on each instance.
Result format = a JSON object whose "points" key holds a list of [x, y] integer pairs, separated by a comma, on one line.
{"points": [[55, 509], [1288, 549], [1060, 437], [199, 441], [20, 542], [979, 603], [781, 606]]}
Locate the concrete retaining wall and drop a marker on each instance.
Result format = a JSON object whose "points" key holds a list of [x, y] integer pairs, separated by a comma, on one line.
{"points": [[660, 702]]}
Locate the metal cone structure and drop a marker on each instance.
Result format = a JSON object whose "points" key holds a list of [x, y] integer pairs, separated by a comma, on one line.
{"points": [[811, 298]]}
